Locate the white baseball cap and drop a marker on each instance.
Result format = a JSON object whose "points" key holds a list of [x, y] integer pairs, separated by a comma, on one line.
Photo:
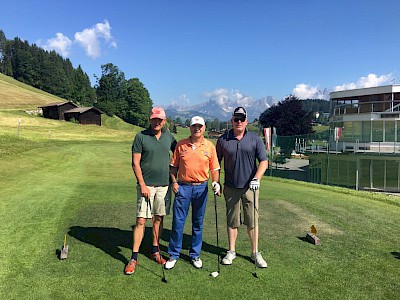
{"points": [[197, 120]]}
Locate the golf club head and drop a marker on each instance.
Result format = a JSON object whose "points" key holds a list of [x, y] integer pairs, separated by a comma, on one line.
{"points": [[214, 274], [255, 274], [164, 280]]}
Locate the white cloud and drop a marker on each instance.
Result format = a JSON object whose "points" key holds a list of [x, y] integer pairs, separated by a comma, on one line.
{"points": [[304, 91], [89, 38], [220, 95], [371, 80], [61, 44], [181, 101]]}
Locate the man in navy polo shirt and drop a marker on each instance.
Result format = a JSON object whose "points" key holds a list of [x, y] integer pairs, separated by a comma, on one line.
{"points": [[240, 150]]}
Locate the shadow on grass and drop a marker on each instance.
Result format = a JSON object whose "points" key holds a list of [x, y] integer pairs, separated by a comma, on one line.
{"points": [[396, 254], [111, 240], [300, 174]]}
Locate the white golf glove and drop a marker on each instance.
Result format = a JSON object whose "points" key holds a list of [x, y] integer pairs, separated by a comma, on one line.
{"points": [[254, 184], [216, 187]]}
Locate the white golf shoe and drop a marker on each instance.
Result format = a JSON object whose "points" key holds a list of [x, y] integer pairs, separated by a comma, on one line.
{"points": [[259, 260], [170, 263], [197, 263], [229, 257]]}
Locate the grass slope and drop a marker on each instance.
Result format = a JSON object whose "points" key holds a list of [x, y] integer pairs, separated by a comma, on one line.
{"points": [[15, 94], [86, 189], [78, 181]]}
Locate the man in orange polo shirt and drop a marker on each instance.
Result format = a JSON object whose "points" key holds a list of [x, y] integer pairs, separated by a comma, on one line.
{"points": [[193, 159]]}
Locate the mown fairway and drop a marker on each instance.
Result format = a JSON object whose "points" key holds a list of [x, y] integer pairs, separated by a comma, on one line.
{"points": [[86, 189], [61, 178]]}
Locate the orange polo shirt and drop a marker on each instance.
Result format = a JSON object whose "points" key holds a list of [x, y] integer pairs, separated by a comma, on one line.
{"points": [[194, 164]]}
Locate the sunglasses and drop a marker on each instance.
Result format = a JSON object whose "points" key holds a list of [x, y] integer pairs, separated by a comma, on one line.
{"points": [[237, 119]]}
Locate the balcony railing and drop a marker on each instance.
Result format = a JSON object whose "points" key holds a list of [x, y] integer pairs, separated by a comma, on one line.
{"points": [[367, 107], [343, 146]]}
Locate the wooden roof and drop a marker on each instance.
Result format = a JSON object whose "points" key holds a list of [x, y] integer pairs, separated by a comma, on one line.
{"points": [[82, 110], [57, 104]]}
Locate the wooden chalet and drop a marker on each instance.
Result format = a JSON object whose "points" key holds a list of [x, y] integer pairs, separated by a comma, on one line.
{"points": [[56, 110], [84, 115]]}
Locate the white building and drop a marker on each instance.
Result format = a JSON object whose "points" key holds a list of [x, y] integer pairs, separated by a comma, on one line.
{"points": [[369, 118], [364, 147]]}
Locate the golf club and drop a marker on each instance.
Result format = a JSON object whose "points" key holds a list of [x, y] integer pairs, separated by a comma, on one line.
{"points": [[254, 212], [215, 274], [158, 243]]}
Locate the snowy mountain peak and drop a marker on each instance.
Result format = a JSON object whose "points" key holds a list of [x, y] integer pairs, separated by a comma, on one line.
{"points": [[222, 108]]}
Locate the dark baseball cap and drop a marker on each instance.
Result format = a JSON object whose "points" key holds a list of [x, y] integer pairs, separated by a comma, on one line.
{"points": [[240, 111]]}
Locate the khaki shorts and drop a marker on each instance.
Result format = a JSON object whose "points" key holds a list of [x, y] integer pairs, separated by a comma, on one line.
{"points": [[235, 199], [160, 202]]}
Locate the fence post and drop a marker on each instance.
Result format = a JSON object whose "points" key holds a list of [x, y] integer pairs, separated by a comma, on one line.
{"points": [[19, 125]]}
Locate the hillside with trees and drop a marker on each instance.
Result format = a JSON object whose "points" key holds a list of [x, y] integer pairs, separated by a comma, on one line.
{"points": [[51, 73]]}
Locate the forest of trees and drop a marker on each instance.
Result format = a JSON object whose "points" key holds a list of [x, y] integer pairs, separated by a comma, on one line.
{"points": [[314, 105], [50, 72]]}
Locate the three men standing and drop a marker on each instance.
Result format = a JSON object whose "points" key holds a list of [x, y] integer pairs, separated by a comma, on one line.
{"points": [[193, 160]]}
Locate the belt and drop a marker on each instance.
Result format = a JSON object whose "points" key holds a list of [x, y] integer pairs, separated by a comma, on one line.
{"points": [[191, 183]]}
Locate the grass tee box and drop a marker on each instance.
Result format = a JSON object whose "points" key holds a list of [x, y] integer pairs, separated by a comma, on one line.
{"points": [[88, 190], [78, 180]]}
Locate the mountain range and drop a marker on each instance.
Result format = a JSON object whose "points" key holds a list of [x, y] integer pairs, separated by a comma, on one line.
{"points": [[222, 110]]}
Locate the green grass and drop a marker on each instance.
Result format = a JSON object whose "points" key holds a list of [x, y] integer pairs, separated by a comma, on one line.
{"points": [[320, 128], [15, 94], [86, 189], [61, 178]]}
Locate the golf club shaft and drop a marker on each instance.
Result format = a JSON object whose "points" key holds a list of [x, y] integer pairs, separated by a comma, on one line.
{"points": [[216, 228], [254, 215]]}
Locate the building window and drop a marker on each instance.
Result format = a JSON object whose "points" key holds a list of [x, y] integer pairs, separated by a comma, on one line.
{"points": [[377, 131], [366, 131], [357, 131], [390, 131]]}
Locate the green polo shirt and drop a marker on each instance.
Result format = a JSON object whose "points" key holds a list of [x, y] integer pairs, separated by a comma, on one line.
{"points": [[155, 157]]}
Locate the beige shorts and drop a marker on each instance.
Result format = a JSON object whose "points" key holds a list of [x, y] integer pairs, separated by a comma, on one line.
{"points": [[160, 202], [235, 199]]}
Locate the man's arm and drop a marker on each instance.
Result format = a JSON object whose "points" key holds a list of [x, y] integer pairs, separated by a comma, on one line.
{"points": [[136, 157], [262, 167], [261, 156], [173, 171]]}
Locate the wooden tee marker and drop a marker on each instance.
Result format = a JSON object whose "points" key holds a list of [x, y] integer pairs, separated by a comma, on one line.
{"points": [[64, 249], [311, 236]]}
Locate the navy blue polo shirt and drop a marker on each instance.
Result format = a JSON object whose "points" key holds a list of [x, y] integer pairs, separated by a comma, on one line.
{"points": [[240, 157]]}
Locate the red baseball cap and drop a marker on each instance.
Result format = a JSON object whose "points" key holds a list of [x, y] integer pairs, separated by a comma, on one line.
{"points": [[158, 113]]}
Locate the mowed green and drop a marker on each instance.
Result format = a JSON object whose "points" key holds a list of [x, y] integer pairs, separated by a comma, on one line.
{"points": [[79, 182], [86, 189]]}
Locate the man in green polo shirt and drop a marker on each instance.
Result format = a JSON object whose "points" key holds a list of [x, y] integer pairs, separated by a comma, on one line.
{"points": [[150, 163]]}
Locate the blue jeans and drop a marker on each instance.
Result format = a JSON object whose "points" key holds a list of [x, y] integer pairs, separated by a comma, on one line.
{"points": [[196, 195]]}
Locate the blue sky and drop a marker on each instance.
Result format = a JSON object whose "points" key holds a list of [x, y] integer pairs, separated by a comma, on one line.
{"points": [[189, 51]]}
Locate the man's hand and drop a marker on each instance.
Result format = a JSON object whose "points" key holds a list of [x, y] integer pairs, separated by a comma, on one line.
{"points": [[216, 187], [145, 191], [175, 186], [254, 184]]}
